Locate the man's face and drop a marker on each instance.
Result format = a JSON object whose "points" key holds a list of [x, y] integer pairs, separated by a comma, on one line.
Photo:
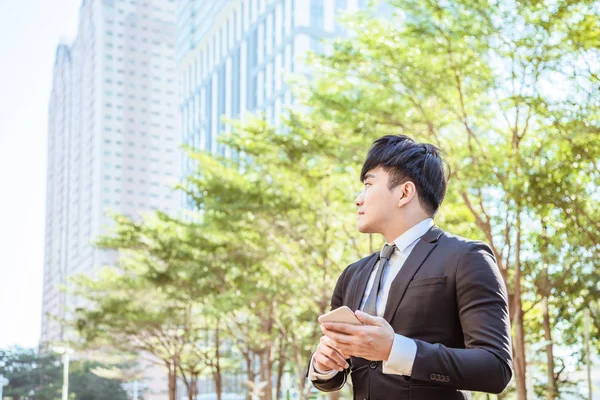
{"points": [[376, 203]]}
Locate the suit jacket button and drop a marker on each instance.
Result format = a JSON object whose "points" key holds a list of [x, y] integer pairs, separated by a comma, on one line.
{"points": [[373, 364], [432, 377]]}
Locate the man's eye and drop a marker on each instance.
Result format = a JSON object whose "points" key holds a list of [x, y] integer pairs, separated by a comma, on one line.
{"points": [[367, 184]]}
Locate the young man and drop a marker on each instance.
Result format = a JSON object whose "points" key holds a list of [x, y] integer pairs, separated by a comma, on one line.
{"points": [[433, 305]]}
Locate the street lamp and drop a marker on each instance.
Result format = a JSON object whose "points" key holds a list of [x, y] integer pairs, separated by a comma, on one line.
{"points": [[3, 382], [65, 351]]}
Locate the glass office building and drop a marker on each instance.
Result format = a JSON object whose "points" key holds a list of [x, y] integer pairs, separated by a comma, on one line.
{"points": [[233, 56]]}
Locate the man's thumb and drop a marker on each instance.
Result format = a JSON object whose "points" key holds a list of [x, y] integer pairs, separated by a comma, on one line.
{"points": [[366, 318]]}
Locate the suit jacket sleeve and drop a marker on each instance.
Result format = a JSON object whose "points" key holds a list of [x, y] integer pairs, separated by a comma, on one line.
{"points": [[338, 380], [485, 364]]}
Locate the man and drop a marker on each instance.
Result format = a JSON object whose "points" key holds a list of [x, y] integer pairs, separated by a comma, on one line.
{"points": [[434, 306]]}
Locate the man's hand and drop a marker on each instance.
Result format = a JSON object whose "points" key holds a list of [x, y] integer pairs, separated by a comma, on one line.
{"points": [[371, 341], [327, 358]]}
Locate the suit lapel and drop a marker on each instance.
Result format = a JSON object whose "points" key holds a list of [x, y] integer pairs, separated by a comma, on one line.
{"points": [[412, 264], [360, 284]]}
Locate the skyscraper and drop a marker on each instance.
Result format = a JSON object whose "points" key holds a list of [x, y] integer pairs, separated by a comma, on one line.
{"points": [[112, 137], [233, 56]]}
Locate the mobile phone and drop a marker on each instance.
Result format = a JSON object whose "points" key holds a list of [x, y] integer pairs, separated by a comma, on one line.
{"points": [[342, 314]]}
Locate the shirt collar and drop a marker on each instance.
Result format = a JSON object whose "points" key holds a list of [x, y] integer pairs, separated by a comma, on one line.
{"points": [[411, 235]]}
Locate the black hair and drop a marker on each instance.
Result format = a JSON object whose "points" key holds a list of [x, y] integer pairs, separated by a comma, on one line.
{"points": [[406, 160]]}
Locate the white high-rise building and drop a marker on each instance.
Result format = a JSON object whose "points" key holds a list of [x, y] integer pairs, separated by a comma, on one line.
{"points": [[113, 138], [233, 56]]}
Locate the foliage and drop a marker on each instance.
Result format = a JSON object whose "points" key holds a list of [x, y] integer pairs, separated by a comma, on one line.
{"points": [[39, 377], [508, 91]]}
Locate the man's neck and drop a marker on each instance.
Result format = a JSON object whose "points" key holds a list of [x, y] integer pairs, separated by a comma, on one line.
{"points": [[402, 228]]}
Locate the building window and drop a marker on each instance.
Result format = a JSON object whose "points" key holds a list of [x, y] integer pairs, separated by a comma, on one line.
{"points": [[235, 83], [221, 104], [251, 62], [316, 14], [340, 7], [209, 121]]}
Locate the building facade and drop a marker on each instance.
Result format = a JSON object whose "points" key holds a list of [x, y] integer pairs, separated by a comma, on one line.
{"points": [[113, 138], [233, 57]]}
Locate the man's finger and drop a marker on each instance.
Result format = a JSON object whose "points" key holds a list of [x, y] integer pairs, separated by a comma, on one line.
{"points": [[329, 342], [331, 358], [333, 345], [329, 347], [337, 357], [326, 364], [346, 348], [341, 327], [368, 319], [338, 338]]}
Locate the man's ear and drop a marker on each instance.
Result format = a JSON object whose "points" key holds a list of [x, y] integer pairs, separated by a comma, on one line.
{"points": [[407, 192]]}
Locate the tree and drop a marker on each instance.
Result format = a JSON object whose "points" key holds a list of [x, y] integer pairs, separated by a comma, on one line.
{"points": [[160, 298], [35, 376], [88, 386], [295, 226], [469, 76], [476, 79], [30, 375], [275, 222]]}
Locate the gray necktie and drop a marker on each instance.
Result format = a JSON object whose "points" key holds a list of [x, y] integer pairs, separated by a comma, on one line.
{"points": [[384, 260]]}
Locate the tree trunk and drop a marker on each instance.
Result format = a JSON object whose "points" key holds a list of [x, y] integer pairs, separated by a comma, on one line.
{"points": [[249, 356], [190, 391], [269, 387], [266, 373], [187, 384], [268, 355], [520, 361], [544, 288], [192, 386], [551, 389], [190, 381], [217, 372], [280, 368], [195, 385], [172, 381], [304, 385]]}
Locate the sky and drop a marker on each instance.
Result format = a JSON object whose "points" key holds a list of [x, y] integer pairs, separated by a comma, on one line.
{"points": [[30, 30]]}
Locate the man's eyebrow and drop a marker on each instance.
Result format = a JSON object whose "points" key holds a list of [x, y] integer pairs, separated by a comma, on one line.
{"points": [[369, 175]]}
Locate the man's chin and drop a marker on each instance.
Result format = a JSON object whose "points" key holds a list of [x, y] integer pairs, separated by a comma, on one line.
{"points": [[364, 228]]}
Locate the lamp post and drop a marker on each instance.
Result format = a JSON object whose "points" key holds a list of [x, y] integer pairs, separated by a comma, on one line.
{"points": [[3, 382], [135, 390], [65, 351], [586, 333]]}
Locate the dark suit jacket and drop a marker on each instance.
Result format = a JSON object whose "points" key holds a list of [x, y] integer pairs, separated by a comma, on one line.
{"points": [[450, 298]]}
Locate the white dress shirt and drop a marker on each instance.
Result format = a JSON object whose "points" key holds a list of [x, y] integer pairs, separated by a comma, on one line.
{"points": [[404, 350]]}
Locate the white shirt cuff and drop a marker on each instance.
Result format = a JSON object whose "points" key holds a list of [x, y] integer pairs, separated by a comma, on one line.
{"points": [[402, 357], [314, 374]]}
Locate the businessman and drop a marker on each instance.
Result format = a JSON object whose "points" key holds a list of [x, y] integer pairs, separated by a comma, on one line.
{"points": [[433, 305]]}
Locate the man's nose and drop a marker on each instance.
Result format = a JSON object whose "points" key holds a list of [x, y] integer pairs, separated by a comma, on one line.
{"points": [[359, 200]]}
